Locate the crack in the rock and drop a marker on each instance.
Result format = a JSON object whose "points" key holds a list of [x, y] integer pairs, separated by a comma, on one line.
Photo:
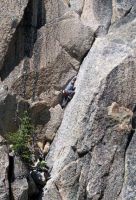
{"points": [[11, 176], [82, 8], [26, 31], [130, 135], [83, 153], [73, 147], [86, 53], [128, 11], [68, 3], [74, 55], [129, 139], [82, 194], [68, 52], [107, 174], [57, 188]]}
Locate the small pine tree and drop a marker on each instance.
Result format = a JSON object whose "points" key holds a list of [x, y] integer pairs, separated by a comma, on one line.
{"points": [[21, 139]]}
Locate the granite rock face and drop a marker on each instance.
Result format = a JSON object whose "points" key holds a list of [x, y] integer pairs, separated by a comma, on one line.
{"points": [[43, 43], [97, 14], [129, 186], [4, 165], [10, 109], [88, 155], [20, 189], [11, 13], [122, 8], [19, 185], [57, 51]]}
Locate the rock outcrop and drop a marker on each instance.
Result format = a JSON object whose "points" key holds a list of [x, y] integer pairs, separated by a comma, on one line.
{"points": [[88, 154], [89, 146]]}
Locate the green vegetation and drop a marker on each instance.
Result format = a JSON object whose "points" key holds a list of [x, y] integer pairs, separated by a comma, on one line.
{"points": [[21, 140]]}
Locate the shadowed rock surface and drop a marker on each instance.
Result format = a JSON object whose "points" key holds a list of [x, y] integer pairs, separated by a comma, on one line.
{"points": [[11, 13]]}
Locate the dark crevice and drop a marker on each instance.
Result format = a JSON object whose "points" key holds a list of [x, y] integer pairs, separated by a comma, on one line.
{"points": [[128, 11], [41, 16], [58, 190], [74, 53], [130, 136], [86, 53], [82, 154], [24, 38], [68, 3], [56, 187], [82, 8], [129, 16], [85, 193], [11, 175], [101, 196]]}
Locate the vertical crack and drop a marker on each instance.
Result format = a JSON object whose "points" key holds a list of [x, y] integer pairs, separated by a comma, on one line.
{"points": [[129, 139], [24, 38], [11, 176], [133, 123], [57, 188]]}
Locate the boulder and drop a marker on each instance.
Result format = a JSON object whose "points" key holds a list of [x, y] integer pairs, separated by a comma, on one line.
{"points": [[40, 113], [54, 123], [45, 133], [81, 37]]}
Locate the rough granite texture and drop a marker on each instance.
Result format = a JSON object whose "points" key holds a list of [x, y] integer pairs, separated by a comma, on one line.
{"points": [[11, 13], [43, 43], [19, 185], [88, 153], [4, 164]]}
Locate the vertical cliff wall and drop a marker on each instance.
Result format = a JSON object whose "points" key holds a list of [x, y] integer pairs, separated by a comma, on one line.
{"points": [[43, 43]]}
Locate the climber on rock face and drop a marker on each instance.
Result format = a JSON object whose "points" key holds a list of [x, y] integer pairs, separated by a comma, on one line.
{"points": [[68, 92]]}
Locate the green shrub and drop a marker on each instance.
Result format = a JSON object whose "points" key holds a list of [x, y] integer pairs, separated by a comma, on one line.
{"points": [[22, 138]]}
